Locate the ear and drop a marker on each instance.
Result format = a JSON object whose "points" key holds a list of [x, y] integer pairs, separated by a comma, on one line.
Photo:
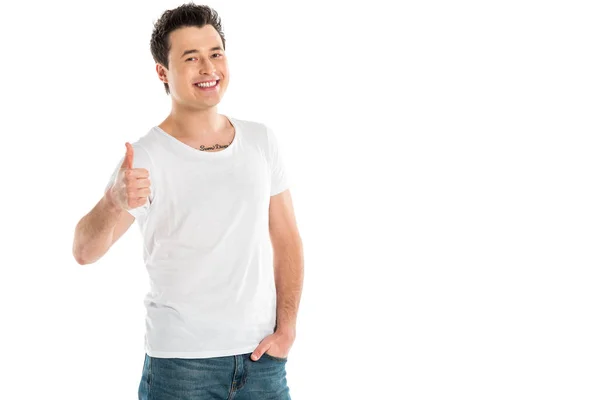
{"points": [[162, 73]]}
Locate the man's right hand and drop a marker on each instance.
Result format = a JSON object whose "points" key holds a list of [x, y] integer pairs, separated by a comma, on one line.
{"points": [[132, 185]]}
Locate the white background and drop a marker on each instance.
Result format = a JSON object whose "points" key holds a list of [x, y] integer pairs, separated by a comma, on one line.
{"points": [[445, 166]]}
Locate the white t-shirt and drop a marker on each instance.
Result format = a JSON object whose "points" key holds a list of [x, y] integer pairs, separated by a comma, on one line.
{"points": [[206, 239]]}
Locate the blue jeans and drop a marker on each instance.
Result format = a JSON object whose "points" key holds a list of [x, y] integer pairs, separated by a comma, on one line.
{"points": [[223, 378]]}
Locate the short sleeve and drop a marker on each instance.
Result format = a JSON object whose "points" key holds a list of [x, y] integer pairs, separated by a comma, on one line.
{"points": [[280, 180], [140, 160]]}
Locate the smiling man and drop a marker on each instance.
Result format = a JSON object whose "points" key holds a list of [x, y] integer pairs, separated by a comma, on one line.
{"points": [[221, 246]]}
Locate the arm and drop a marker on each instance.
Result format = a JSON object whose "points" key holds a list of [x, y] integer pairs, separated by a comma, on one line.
{"points": [[97, 231], [125, 197], [288, 259], [288, 263]]}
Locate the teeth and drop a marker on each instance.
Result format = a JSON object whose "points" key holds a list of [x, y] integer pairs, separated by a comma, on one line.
{"points": [[206, 84]]}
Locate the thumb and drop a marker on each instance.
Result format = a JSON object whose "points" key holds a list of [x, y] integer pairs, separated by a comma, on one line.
{"points": [[259, 351], [128, 161]]}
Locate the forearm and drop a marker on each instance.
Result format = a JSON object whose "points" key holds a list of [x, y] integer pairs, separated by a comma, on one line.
{"points": [[94, 232], [289, 277]]}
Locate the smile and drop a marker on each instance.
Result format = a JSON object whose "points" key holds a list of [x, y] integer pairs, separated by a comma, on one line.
{"points": [[207, 85]]}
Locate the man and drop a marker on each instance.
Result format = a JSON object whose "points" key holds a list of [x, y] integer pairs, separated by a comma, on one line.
{"points": [[221, 246]]}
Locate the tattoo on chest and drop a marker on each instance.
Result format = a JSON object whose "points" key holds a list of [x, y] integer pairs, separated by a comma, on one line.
{"points": [[216, 146]]}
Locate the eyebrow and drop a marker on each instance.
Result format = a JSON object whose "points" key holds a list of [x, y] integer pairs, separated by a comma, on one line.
{"points": [[196, 51]]}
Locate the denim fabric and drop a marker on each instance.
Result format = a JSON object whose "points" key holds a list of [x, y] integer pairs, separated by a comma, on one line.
{"points": [[223, 378]]}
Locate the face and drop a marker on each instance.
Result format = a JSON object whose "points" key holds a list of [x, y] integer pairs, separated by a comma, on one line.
{"points": [[196, 55]]}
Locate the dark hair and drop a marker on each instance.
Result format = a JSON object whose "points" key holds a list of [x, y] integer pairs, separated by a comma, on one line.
{"points": [[188, 14]]}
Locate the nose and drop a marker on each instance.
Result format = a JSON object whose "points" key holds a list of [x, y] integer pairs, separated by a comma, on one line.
{"points": [[206, 66]]}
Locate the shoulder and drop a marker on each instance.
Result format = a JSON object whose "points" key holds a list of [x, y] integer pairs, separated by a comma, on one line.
{"points": [[260, 133], [252, 128]]}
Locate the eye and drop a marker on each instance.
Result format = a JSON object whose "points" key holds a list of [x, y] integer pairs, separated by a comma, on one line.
{"points": [[190, 58], [217, 54]]}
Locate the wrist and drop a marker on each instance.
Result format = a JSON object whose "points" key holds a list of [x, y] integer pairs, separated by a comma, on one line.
{"points": [[110, 203], [287, 330]]}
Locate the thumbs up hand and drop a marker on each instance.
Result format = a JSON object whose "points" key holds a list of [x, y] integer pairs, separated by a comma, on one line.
{"points": [[132, 185]]}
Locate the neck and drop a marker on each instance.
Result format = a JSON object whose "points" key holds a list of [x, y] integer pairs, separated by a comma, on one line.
{"points": [[195, 125]]}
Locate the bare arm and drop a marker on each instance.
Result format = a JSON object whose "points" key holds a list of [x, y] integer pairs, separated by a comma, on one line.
{"points": [[97, 231], [288, 261], [289, 274]]}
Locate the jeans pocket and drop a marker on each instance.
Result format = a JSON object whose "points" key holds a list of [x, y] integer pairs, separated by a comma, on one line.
{"points": [[275, 358]]}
